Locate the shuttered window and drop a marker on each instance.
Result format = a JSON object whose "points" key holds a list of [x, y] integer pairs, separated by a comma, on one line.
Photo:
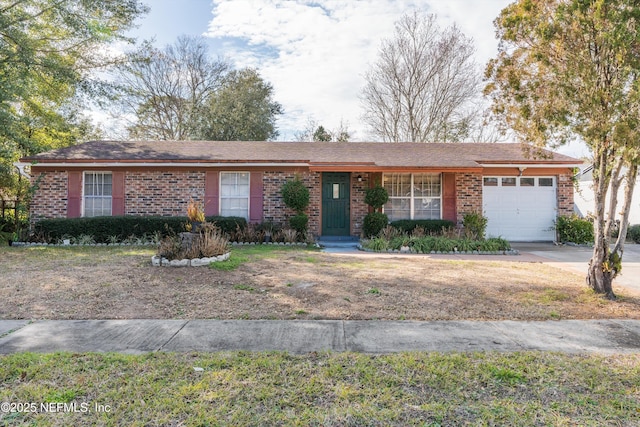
{"points": [[234, 194], [97, 194]]}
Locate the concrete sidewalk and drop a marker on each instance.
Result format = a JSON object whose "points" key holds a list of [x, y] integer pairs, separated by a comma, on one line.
{"points": [[298, 337]]}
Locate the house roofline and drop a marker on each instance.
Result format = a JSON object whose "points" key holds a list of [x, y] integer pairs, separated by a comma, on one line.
{"points": [[530, 165], [314, 167], [166, 164]]}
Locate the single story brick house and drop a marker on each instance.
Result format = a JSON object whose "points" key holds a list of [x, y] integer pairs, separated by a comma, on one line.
{"points": [[519, 194]]}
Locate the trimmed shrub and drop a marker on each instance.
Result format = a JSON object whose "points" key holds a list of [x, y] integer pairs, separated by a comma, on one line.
{"points": [[427, 244], [295, 195], [373, 223], [475, 225], [430, 226], [123, 227], [376, 197], [299, 223], [574, 229], [633, 233]]}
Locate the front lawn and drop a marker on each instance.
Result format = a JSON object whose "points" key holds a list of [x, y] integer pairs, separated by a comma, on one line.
{"points": [[285, 282], [248, 389]]}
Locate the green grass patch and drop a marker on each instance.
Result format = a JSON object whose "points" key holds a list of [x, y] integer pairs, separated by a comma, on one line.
{"points": [[546, 297], [241, 388], [234, 261], [247, 253], [242, 287], [269, 251]]}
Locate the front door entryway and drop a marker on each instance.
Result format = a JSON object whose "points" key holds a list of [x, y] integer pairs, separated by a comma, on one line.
{"points": [[335, 204]]}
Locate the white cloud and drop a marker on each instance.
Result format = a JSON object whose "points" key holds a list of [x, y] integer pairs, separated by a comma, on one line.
{"points": [[316, 52]]}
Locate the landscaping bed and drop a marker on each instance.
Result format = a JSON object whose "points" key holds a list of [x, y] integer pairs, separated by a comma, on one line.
{"points": [[287, 282]]}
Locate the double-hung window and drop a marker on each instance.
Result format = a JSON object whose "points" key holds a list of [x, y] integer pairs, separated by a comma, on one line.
{"points": [[413, 196], [97, 194], [234, 194]]}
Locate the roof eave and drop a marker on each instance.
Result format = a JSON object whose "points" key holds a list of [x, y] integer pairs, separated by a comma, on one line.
{"points": [[545, 165]]}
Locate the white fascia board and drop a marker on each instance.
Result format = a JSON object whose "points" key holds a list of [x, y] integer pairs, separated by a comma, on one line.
{"points": [[165, 164]]}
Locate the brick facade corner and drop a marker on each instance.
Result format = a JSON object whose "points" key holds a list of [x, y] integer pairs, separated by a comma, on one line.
{"points": [[468, 194], [50, 197], [565, 194], [359, 209]]}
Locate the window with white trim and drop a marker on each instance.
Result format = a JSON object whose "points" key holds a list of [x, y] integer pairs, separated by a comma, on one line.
{"points": [[528, 181], [97, 194], [413, 196], [234, 194]]}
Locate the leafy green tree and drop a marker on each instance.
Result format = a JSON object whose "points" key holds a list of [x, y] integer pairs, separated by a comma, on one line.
{"points": [[242, 110], [568, 69], [49, 52], [318, 133], [181, 93], [321, 135]]}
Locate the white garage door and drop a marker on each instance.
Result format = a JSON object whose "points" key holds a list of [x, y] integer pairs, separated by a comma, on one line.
{"points": [[520, 208]]}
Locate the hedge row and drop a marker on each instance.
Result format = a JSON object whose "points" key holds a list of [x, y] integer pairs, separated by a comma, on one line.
{"points": [[102, 228], [428, 244], [434, 226]]}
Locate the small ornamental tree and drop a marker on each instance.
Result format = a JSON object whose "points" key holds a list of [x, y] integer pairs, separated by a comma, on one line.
{"points": [[296, 196], [375, 221], [376, 197]]}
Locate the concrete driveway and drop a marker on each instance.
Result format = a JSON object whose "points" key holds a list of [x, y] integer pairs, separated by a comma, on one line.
{"points": [[576, 258]]}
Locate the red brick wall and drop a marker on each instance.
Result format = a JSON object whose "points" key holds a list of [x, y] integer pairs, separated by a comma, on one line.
{"points": [[161, 192], [358, 207], [273, 207], [50, 197], [565, 194], [468, 194], [167, 193]]}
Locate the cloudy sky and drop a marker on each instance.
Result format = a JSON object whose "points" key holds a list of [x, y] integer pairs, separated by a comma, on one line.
{"points": [[314, 52]]}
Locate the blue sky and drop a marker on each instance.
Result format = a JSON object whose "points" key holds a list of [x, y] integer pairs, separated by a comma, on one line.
{"points": [[314, 52]]}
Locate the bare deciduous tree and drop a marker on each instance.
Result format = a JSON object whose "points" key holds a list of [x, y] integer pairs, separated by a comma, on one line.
{"points": [[420, 88], [166, 90]]}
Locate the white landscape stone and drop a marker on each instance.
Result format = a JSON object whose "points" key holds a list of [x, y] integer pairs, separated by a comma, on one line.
{"points": [[196, 262]]}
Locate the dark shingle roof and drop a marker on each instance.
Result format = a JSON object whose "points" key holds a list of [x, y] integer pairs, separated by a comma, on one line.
{"points": [[419, 155]]}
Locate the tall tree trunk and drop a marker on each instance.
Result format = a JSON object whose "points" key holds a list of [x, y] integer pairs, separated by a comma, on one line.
{"points": [[630, 177], [616, 181], [599, 274]]}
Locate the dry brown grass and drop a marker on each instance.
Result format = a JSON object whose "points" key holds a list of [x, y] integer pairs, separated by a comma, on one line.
{"points": [[105, 283]]}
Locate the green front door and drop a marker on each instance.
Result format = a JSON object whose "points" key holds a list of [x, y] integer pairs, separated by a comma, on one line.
{"points": [[335, 204]]}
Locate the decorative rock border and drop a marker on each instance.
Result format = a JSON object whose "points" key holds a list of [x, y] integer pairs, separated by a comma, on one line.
{"points": [[411, 251], [157, 261]]}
